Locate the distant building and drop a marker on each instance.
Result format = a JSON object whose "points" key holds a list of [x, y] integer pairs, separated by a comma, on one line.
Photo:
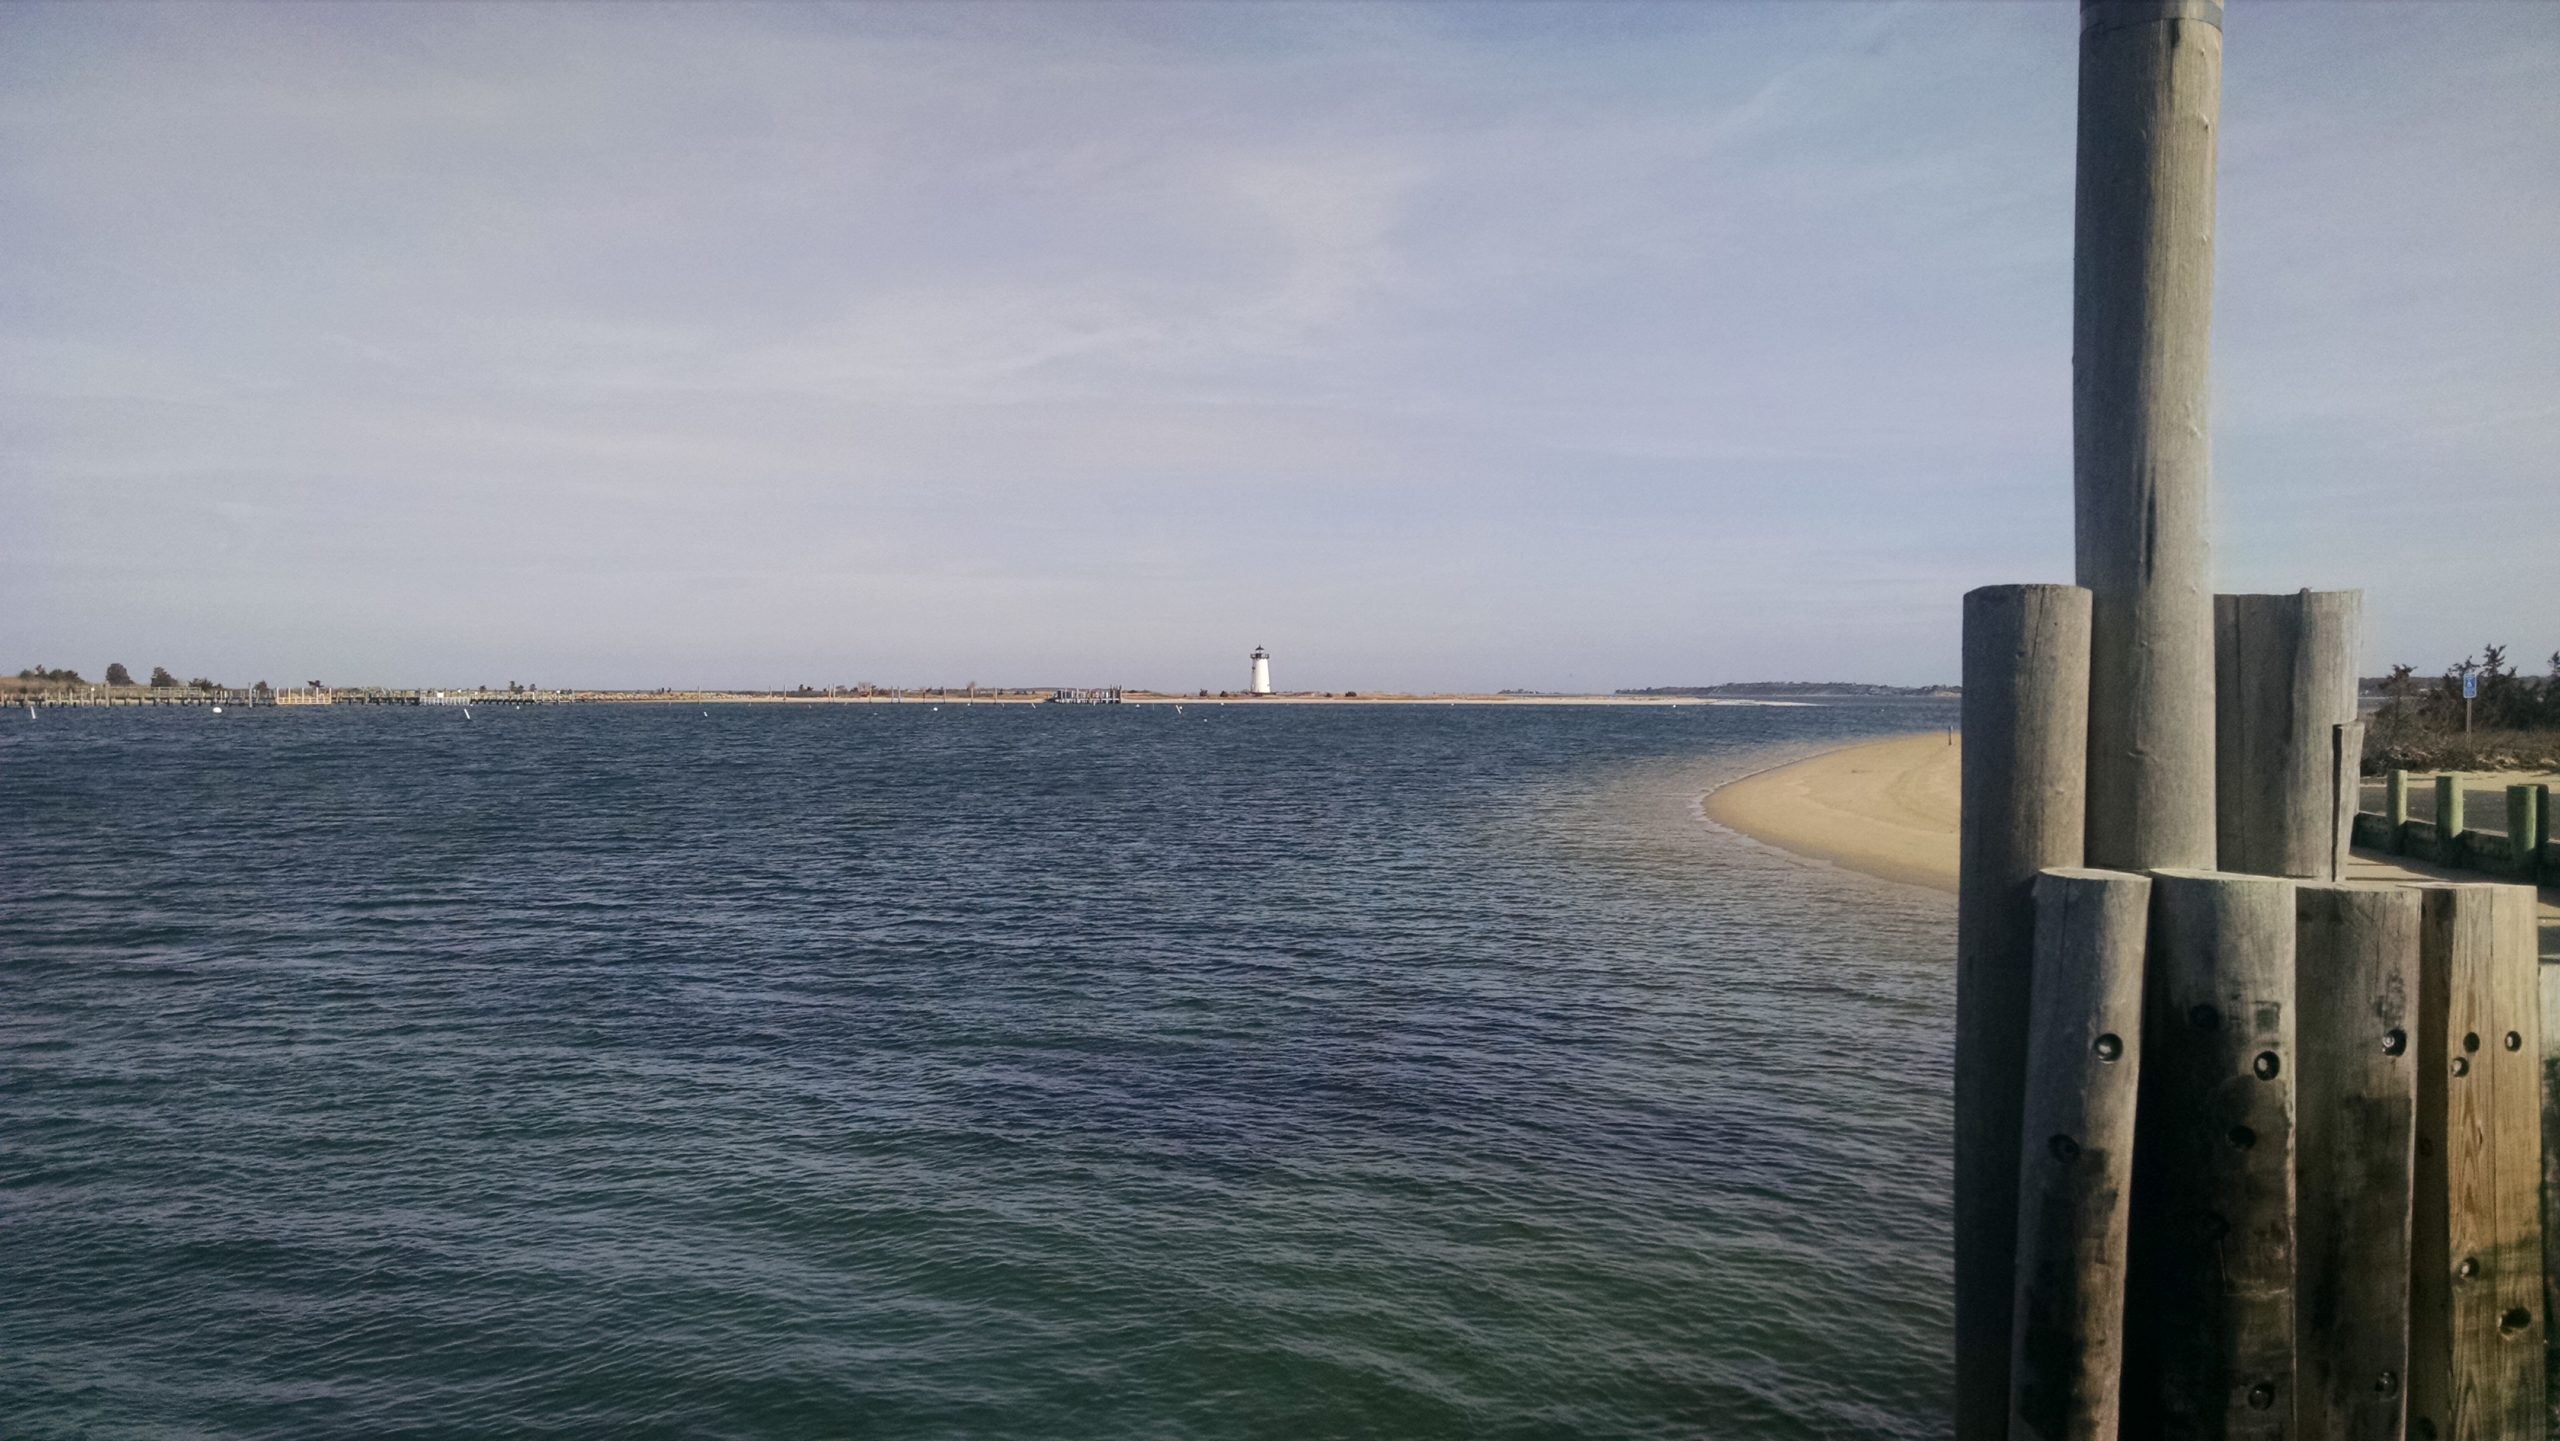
{"points": [[1261, 672]]}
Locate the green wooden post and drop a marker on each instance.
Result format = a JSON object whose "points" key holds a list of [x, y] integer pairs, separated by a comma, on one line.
{"points": [[2395, 811], [2449, 820], [2524, 830]]}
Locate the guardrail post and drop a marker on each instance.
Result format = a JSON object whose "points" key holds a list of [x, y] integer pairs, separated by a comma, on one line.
{"points": [[2449, 825], [2524, 830]]}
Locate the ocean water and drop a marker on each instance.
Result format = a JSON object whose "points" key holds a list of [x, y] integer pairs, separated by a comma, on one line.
{"points": [[961, 1072]]}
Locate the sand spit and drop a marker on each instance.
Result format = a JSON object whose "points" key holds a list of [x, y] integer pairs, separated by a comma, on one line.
{"points": [[1886, 808]]}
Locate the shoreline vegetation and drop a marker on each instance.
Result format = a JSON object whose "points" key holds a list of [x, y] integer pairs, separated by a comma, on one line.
{"points": [[2510, 722]]}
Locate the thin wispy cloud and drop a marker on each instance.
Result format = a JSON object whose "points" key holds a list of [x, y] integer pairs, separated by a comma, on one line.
{"points": [[1511, 345]]}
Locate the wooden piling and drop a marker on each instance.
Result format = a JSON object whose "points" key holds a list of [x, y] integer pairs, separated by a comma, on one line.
{"points": [[2395, 809], [2210, 1307], [2084, 1058], [2284, 681], [2356, 975], [2346, 793], [2476, 1361], [2142, 303], [2449, 826], [2026, 687], [2549, 1014]]}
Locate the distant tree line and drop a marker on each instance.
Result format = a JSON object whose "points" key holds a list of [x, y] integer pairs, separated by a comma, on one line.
{"points": [[119, 675]]}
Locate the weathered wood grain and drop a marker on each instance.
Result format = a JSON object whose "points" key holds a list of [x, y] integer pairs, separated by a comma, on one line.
{"points": [[2210, 1315], [2084, 1058], [2142, 309], [2346, 791], [2549, 1015], [2284, 681], [2026, 719], [2356, 979], [2477, 1323]]}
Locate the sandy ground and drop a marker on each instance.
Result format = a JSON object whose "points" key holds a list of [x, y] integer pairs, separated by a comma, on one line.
{"points": [[1888, 808]]}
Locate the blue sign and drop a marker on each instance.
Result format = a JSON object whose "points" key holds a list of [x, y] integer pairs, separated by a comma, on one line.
{"points": [[2471, 685]]}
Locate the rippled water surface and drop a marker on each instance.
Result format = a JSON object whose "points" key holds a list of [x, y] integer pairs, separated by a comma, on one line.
{"points": [[903, 1072]]}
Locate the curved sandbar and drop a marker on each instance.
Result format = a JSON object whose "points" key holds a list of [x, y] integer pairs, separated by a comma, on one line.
{"points": [[1886, 808]]}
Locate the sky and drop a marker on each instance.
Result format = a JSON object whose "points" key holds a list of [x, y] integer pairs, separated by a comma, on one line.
{"points": [[1562, 347]]}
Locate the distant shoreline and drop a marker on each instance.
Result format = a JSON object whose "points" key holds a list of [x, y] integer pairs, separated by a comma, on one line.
{"points": [[100, 696]]}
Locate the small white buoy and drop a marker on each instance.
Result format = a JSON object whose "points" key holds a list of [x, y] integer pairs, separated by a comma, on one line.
{"points": [[217, 710]]}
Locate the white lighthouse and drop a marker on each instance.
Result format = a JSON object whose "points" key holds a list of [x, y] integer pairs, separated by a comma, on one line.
{"points": [[1261, 671]]}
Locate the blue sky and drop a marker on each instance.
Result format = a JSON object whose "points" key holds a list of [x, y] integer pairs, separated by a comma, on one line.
{"points": [[1560, 346]]}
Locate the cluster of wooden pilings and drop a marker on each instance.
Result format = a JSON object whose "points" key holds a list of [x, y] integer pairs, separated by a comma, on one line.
{"points": [[2272, 1141], [2242, 1148]]}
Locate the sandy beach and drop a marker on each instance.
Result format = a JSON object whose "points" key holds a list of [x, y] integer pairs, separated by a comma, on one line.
{"points": [[1889, 808], [1886, 808]]}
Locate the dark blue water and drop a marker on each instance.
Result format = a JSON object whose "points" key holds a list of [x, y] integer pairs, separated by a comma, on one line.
{"points": [[887, 1071]]}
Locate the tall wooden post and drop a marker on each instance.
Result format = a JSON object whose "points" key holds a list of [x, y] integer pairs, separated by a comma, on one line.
{"points": [[2210, 1310], [2026, 720], [2476, 1273], [2084, 1065], [2284, 681], [2356, 982], [2395, 809], [2142, 311]]}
